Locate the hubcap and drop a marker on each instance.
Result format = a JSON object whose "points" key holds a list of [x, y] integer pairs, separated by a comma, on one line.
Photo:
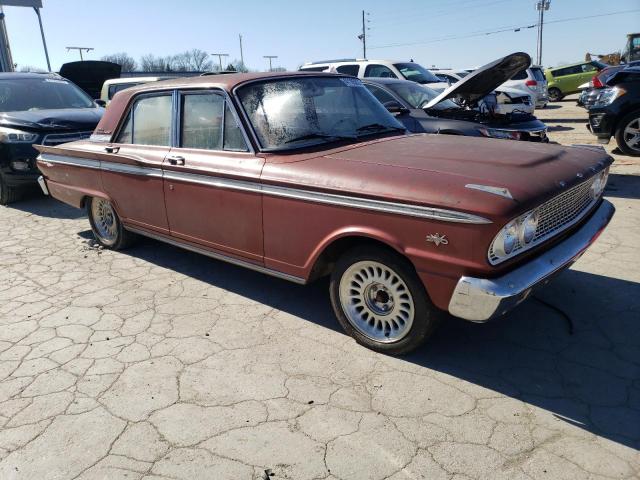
{"points": [[376, 301], [104, 219], [632, 135]]}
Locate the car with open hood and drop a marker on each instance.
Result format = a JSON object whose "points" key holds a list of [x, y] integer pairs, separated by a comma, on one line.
{"points": [[406, 100], [38, 108], [306, 175]]}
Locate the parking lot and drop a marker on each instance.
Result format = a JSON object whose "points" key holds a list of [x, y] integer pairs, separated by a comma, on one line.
{"points": [[158, 363]]}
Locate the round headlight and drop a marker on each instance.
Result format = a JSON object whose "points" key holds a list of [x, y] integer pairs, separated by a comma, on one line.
{"points": [[598, 184], [528, 226], [506, 240]]}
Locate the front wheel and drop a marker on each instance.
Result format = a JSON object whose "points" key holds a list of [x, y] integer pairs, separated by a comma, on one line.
{"points": [[380, 301], [106, 225], [555, 95], [628, 134]]}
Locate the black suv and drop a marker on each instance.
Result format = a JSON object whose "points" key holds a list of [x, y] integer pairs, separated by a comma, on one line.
{"points": [[38, 109], [616, 111]]}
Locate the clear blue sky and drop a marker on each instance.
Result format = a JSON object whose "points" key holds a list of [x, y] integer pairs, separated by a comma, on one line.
{"points": [[299, 31]]}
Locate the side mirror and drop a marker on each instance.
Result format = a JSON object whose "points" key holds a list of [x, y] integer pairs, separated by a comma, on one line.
{"points": [[394, 107], [100, 103]]}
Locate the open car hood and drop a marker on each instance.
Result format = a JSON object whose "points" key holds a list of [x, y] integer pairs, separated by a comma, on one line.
{"points": [[484, 80]]}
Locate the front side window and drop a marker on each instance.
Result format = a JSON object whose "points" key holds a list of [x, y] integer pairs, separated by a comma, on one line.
{"points": [[382, 96], [416, 72], [379, 71], [148, 122], [209, 124], [31, 94], [304, 111]]}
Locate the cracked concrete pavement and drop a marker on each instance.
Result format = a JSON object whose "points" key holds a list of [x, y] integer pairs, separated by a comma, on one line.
{"points": [[156, 363]]}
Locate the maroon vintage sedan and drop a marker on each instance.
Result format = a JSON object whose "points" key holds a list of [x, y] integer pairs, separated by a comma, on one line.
{"points": [[305, 175]]}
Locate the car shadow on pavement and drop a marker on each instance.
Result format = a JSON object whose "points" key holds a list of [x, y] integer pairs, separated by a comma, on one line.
{"points": [[38, 204], [585, 379], [623, 186]]}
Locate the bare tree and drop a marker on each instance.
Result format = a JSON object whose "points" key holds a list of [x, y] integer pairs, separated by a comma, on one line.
{"points": [[29, 68], [123, 59], [237, 65], [195, 60], [151, 63]]}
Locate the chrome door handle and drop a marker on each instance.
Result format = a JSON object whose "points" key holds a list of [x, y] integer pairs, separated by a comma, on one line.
{"points": [[111, 149], [175, 160]]}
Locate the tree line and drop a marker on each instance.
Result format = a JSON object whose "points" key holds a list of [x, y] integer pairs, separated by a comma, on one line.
{"points": [[194, 60]]}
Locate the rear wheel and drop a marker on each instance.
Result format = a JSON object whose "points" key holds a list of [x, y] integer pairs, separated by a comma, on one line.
{"points": [[7, 194], [380, 301], [106, 225], [555, 95], [628, 134]]}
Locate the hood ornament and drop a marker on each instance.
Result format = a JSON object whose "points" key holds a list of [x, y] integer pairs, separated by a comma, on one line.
{"points": [[500, 191], [437, 239]]}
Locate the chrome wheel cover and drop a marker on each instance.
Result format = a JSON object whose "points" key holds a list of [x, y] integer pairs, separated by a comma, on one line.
{"points": [[104, 220], [631, 135], [376, 301]]}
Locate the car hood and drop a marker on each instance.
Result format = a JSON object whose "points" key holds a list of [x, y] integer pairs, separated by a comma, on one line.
{"points": [[435, 170], [484, 80], [63, 119]]}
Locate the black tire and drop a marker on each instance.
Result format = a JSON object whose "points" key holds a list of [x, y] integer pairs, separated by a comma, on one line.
{"points": [[121, 238], [622, 125], [426, 316], [7, 194], [555, 94]]}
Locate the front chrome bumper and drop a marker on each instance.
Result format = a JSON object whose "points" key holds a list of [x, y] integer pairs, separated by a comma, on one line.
{"points": [[43, 185], [481, 299]]}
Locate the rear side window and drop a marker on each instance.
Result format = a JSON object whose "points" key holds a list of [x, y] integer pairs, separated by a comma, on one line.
{"points": [[148, 122], [538, 74], [349, 69], [208, 124], [521, 75], [379, 71]]}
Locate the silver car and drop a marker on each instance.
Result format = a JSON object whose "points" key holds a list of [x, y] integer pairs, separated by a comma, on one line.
{"points": [[533, 82]]}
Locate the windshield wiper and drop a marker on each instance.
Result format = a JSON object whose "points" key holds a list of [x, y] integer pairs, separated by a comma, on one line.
{"points": [[378, 127], [324, 136]]}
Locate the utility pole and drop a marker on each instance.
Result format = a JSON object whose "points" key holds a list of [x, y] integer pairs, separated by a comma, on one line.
{"points": [[220, 55], [270, 57], [80, 50], [363, 36], [541, 6], [241, 55], [44, 42]]}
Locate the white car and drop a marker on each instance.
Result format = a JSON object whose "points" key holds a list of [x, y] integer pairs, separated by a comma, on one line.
{"points": [[449, 75], [377, 69], [114, 85], [533, 82]]}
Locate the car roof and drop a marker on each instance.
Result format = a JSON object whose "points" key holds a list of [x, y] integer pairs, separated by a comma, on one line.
{"points": [[225, 82], [25, 75], [570, 65], [359, 61], [114, 81]]}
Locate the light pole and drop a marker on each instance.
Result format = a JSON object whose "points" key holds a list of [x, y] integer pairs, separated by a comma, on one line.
{"points": [[270, 57], [541, 6], [44, 42], [220, 55], [80, 50]]}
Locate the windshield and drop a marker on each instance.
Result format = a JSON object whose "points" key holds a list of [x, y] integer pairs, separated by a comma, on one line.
{"points": [[416, 73], [295, 112], [418, 95], [28, 94]]}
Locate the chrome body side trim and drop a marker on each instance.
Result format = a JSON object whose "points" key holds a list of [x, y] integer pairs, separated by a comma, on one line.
{"points": [[218, 256], [481, 299], [500, 191], [383, 206], [43, 185]]}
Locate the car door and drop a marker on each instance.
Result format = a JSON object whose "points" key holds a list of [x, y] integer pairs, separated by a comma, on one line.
{"points": [[211, 178], [132, 164]]}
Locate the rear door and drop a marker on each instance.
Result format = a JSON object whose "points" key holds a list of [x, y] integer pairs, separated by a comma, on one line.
{"points": [[132, 168], [211, 178]]}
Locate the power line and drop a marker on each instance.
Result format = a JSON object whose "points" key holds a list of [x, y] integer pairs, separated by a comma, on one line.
{"points": [[501, 30]]}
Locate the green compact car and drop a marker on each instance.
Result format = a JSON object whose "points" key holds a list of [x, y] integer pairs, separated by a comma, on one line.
{"points": [[566, 79]]}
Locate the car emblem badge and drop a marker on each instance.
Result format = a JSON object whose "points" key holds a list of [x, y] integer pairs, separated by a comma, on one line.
{"points": [[438, 239], [579, 175], [562, 183]]}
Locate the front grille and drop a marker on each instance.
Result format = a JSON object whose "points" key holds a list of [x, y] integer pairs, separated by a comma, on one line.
{"points": [[556, 215], [58, 138]]}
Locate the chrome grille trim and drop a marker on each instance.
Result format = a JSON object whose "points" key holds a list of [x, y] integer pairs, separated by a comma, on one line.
{"points": [[556, 215], [54, 139]]}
